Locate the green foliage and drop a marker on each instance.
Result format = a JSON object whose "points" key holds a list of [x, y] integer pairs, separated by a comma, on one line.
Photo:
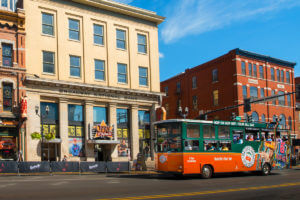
{"points": [[50, 136], [36, 136]]}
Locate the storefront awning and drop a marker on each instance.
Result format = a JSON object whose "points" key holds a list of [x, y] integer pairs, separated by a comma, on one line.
{"points": [[56, 140], [104, 141]]}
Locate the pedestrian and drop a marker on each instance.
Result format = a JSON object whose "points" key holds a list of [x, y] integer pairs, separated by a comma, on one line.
{"points": [[65, 158]]}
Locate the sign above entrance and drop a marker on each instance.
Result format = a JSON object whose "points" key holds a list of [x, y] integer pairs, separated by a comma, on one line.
{"points": [[103, 132]]}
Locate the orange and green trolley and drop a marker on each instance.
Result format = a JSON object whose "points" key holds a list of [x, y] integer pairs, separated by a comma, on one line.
{"points": [[203, 147]]}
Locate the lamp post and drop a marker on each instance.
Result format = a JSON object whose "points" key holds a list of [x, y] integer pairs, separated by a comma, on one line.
{"points": [[186, 112], [47, 109]]}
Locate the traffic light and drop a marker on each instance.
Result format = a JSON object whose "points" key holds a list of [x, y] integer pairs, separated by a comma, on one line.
{"points": [[247, 105], [233, 116]]}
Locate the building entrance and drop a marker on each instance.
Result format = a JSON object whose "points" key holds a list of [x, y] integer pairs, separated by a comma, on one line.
{"points": [[51, 152], [102, 152]]}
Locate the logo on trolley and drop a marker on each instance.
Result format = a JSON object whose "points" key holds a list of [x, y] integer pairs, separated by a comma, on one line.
{"points": [[248, 156], [162, 159]]}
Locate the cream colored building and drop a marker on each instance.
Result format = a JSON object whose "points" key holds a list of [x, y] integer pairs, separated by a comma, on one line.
{"points": [[90, 61]]}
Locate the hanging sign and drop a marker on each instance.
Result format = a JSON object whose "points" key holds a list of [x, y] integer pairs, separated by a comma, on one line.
{"points": [[103, 131]]}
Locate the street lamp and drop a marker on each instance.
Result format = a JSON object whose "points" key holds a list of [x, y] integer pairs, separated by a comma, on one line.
{"points": [[186, 112], [47, 109]]}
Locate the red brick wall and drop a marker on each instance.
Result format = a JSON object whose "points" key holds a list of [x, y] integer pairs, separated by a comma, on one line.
{"points": [[229, 85]]}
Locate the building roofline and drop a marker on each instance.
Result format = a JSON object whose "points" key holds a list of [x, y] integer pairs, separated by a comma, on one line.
{"points": [[124, 9], [263, 57]]}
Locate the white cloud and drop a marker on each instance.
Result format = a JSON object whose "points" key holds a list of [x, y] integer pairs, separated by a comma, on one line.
{"points": [[124, 1], [190, 17], [161, 55]]}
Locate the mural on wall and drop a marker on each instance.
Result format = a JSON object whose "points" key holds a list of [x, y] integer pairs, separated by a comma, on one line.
{"points": [[75, 146], [276, 153]]}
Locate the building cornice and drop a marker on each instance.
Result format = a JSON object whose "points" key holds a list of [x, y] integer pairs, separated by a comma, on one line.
{"points": [[264, 58], [13, 19], [123, 9], [82, 86]]}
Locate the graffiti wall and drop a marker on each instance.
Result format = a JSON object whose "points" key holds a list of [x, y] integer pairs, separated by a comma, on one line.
{"points": [[276, 153]]}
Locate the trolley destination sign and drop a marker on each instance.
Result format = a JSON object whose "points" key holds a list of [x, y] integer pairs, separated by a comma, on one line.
{"points": [[245, 124]]}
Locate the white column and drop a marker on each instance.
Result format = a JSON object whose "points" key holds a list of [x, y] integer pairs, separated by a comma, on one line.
{"points": [[89, 119], [112, 120], [134, 131], [63, 128], [33, 124]]}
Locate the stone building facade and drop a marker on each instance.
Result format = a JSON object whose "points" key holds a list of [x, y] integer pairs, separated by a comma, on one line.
{"points": [[12, 74], [92, 81]]}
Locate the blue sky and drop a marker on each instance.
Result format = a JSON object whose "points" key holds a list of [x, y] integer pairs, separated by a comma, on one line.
{"points": [[196, 31]]}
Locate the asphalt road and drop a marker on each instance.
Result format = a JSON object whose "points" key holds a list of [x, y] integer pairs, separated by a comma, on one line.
{"points": [[279, 185]]}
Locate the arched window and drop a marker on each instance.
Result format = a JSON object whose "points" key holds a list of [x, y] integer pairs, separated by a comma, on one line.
{"points": [[255, 117], [263, 118], [282, 121], [290, 123]]}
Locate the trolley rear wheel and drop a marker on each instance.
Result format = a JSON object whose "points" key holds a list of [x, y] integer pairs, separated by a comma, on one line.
{"points": [[206, 172]]}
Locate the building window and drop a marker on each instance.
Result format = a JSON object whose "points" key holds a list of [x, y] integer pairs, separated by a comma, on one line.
{"points": [[281, 100], [50, 120], [243, 68], [121, 39], [143, 76], [167, 109], [123, 132], [274, 100], [288, 97], [255, 117], [282, 76], [7, 97], [167, 90], [75, 66], [74, 29], [254, 70], [7, 55], [282, 122], [216, 97], [262, 92], [194, 82], [244, 91], [278, 75], [47, 24], [122, 73], [253, 92], [99, 114], [48, 62], [98, 34], [261, 71], [4, 3], [250, 69], [263, 118], [287, 77], [76, 130], [142, 43], [195, 103], [272, 74], [215, 75], [178, 87], [99, 70], [144, 132]]}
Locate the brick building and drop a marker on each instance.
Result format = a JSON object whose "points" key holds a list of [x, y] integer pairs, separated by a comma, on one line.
{"points": [[12, 74], [226, 81]]}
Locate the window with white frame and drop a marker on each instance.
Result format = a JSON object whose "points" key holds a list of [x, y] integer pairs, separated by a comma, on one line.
{"points": [[75, 66], [121, 39], [143, 76], [74, 29], [142, 43], [47, 24], [48, 62], [99, 70], [98, 34], [122, 73]]}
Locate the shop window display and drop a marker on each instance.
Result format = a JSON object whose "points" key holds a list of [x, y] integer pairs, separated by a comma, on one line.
{"points": [[123, 133]]}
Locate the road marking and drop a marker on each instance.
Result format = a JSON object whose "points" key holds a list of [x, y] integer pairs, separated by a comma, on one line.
{"points": [[7, 185], [59, 183], [205, 192]]}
